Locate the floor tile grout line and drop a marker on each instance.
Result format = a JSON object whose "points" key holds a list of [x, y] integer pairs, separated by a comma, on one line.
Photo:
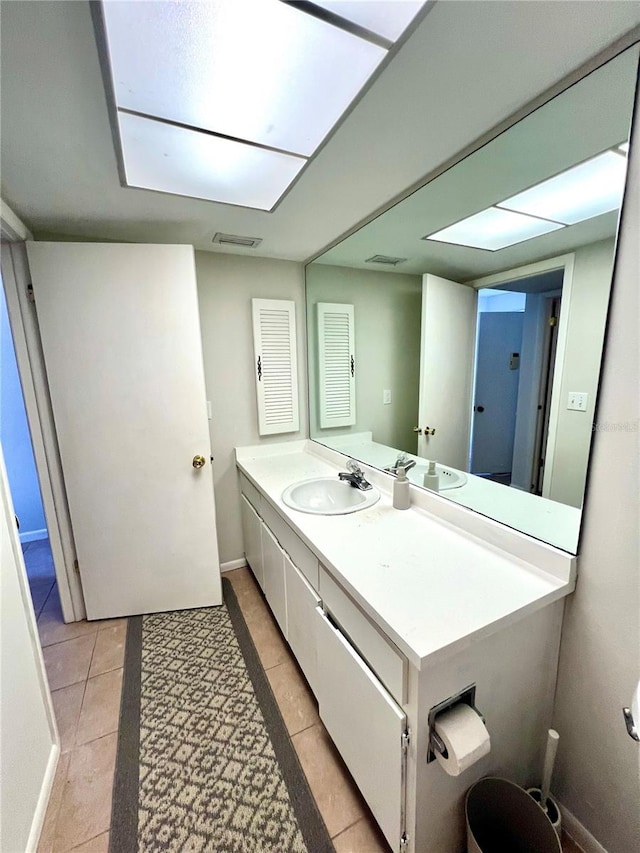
{"points": [[347, 828]]}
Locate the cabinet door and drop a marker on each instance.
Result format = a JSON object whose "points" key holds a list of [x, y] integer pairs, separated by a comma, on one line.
{"points": [[302, 601], [252, 539], [365, 724], [273, 567]]}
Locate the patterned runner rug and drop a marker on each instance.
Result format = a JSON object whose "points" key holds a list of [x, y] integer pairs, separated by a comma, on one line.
{"points": [[204, 760]]}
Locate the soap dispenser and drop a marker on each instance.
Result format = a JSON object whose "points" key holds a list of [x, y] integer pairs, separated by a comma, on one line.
{"points": [[401, 493], [431, 479]]}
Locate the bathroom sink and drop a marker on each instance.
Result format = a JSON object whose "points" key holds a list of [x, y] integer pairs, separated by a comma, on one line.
{"points": [[449, 478], [328, 496]]}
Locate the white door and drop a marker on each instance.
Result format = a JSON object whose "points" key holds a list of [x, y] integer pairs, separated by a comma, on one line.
{"points": [[496, 391], [121, 341], [446, 370]]}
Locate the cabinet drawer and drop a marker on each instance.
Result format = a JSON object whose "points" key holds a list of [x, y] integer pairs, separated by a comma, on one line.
{"points": [[251, 531], [302, 556], [302, 601], [251, 493], [365, 724], [384, 658], [274, 584]]}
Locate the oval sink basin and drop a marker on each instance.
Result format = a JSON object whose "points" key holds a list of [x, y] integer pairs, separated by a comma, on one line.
{"points": [[449, 479], [328, 496]]}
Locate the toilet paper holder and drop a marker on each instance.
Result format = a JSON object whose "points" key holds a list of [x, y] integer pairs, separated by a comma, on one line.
{"points": [[464, 697]]}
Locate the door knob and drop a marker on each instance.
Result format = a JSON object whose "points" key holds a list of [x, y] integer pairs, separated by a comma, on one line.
{"points": [[198, 461], [479, 409], [426, 431]]}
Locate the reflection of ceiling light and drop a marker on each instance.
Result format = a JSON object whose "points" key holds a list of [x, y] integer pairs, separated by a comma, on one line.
{"points": [[586, 190], [256, 74], [493, 229]]}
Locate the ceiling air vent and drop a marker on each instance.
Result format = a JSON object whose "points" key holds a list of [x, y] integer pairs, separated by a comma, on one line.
{"points": [[385, 259], [235, 240]]}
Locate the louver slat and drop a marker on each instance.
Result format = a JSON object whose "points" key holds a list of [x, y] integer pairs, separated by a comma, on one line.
{"points": [[336, 353], [274, 341]]}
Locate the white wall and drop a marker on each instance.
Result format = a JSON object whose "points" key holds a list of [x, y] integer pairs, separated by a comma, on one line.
{"points": [[226, 285], [27, 741], [581, 369], [598, 766], [387, 335]]}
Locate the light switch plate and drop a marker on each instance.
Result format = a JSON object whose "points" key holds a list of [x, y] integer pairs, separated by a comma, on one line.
{"points": [[577, 401], [386, 398]]}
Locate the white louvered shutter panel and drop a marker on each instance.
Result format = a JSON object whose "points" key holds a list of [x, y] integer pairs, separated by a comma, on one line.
{"points": [[276, 366], [336, 364]]}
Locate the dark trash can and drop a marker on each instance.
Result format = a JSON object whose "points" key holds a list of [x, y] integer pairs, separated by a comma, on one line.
{"points": [[503, 818]]}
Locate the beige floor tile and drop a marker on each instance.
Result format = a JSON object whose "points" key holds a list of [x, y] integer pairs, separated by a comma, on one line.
{"points": [[52, 628], [268, 640], [334, 791], [363, 837], [47, 836], [39, 596], [294, 697], [67, 703], [109, 651], [99, 844], [85, 810], [101, 706], [68, 662]]}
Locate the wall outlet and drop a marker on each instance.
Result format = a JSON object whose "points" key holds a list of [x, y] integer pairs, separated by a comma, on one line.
{"points": [[577, 401], [386, 397]]}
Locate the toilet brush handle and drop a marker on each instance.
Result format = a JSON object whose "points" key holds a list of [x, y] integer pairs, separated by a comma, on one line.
{"points": [[549, 760]]}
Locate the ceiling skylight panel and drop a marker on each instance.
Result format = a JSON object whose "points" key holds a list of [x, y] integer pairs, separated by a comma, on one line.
{"points": [[493, 229], [257, 70], [588, 189], [159, 156], [387, 18]]}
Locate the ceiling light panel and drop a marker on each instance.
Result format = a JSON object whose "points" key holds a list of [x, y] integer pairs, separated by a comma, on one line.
{"points": [[589, 189], [386, 18], [159, 156], [257, 70], [493, 229]]}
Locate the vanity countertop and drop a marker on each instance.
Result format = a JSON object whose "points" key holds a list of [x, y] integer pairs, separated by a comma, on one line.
{"points": [[429, 585]]}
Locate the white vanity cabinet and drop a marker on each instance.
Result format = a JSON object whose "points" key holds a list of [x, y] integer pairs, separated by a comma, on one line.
{"points": [[252, 534], [302, 601], [391, 614], [273, 569], [366, 724], [357, 675]]}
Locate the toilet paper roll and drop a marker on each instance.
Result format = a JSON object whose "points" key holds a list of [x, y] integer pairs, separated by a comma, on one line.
{"points": [[465, 736]]}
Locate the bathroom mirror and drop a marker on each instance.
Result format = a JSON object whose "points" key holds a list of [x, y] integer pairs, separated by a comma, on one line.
{"points": [[465, 324]]}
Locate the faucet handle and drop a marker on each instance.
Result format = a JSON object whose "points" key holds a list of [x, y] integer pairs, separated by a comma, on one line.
{"points": [[353, 466]]}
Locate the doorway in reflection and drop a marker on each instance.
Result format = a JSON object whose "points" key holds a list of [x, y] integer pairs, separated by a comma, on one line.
{"points": [[516, 342]]}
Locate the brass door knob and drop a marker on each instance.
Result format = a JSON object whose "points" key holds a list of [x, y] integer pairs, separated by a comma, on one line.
{"points": [[426, 431], [198, 462]]}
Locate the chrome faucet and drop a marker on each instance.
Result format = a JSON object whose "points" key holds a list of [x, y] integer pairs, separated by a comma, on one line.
{"points": [[403, 461], [355, 476]]}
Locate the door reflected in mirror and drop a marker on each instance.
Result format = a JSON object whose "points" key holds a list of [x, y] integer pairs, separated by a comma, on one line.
{"points": [[465, 325]]}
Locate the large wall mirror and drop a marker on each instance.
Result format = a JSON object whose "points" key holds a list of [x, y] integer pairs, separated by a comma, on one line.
{"points": [[465, 325]]}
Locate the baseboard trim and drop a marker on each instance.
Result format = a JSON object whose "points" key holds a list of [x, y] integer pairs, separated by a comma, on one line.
{"points": [[33, 535], [43, 800], [579, 833], [230, 565]]}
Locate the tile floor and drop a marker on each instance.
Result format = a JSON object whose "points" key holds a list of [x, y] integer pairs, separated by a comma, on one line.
{"points": [[84, 665]]}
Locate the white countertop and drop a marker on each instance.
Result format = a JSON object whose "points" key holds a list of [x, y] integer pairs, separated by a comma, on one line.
{"points": [[431, 587]]}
